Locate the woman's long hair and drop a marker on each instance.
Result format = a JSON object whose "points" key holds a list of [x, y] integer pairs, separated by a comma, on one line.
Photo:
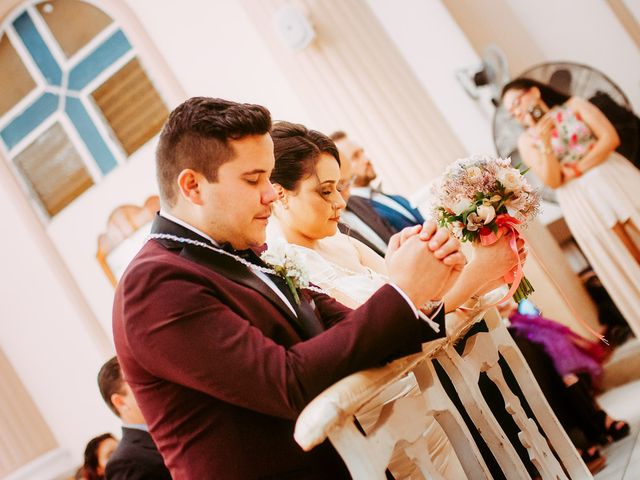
{"points": [[549, 95], [91, 461]]}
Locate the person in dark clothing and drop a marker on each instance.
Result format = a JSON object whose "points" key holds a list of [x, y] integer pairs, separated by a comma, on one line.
{"points": [[136, 457]]}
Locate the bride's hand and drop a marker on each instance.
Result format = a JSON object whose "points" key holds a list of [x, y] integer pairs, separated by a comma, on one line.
{"points": [[498, 259]]}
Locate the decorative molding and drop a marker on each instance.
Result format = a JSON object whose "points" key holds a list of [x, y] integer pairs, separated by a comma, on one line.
{"points": [[626, 19], [123, 224], [25, 434], [54, 464]]}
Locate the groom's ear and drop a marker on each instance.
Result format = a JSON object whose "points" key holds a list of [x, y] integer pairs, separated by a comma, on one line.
{"points": [[189, 185]]}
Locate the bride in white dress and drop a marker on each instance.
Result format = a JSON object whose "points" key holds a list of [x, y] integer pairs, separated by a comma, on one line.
{"points": [[307, 178]]}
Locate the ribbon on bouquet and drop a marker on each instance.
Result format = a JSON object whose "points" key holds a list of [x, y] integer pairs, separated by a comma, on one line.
{"points": [[506, 225]]}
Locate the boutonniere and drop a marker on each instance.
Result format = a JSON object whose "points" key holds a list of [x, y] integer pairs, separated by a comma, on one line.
{"points": [[289, 264]]}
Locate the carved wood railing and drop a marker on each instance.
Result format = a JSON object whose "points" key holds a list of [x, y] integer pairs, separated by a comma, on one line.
{"points": [[402, 425]]}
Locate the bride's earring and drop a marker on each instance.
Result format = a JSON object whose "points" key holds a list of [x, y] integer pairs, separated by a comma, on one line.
{"points": [[282, 197]]}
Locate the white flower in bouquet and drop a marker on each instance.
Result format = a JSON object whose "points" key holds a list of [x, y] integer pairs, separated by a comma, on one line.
{"points": [[461, 205], [474, 174], [487, 213], [510, 178], [517, 202], [474, 222]]}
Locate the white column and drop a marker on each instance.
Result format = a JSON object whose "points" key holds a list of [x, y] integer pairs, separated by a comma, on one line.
{"points": [[25, 435]]}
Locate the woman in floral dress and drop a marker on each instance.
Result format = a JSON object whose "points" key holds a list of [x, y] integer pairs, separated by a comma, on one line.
{"points": [[570, 145]]}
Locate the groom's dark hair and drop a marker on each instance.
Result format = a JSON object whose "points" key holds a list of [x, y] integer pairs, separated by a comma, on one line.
{"points": [[196, 135]]}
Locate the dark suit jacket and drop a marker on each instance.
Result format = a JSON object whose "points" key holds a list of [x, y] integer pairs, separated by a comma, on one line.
{"points": [[136, 458], [220, 369], [396, 219], [364, 210], [352, 232]]}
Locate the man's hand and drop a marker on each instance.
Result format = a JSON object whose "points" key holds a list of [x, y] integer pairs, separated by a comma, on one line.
{"points": [[424, 262]]}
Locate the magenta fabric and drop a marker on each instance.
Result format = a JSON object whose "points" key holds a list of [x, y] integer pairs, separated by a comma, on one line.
{"points": [[558, 342]]}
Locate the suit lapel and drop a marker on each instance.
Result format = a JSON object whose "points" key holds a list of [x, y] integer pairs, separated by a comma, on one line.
{"points": [[363, 208], [217, 262], [403, 202], [394, 217]]}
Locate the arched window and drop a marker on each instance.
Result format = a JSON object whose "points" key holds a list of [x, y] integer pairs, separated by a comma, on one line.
{"points": [[76, 101]]}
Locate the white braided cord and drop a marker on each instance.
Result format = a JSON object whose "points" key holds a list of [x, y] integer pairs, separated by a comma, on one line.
{"points": [[246, 263]]}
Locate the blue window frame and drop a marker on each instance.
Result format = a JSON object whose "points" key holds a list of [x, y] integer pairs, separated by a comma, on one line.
{"points": [[62, 92]]}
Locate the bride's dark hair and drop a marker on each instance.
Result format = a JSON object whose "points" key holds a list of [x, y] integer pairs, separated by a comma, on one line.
{"points": [[297, 149]]}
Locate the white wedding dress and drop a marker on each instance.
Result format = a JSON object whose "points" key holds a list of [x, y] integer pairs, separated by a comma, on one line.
{"points": [[353, 288]]}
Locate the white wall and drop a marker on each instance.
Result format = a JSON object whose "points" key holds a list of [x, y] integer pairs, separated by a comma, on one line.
{"points": [[584, 31], [434, 47], [213, 49], [634, 8]]}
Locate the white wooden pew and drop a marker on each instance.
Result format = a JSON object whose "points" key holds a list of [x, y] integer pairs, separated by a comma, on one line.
{"points": [[402, 423]]}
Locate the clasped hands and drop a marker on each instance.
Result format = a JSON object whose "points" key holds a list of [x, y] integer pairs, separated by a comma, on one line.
{"points": [[424, 261]]}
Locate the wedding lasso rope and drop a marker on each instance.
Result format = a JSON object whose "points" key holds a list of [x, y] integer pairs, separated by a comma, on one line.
{"points": [[253, 266]]}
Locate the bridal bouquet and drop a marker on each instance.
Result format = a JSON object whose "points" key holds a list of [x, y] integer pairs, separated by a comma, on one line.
{"points": [[482, 198]]}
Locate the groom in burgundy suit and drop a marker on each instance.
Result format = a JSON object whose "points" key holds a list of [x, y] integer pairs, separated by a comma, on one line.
{"points": [[219, 354]]}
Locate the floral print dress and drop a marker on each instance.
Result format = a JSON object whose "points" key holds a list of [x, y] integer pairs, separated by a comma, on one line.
{"points": [[594, 203], [572, 139]]}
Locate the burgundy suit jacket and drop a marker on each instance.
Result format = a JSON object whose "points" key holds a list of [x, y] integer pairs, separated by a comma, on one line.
{"points": [[220, 369]]}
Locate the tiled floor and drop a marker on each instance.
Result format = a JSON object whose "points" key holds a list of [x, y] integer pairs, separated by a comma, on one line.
{"points": [[623, 457]]}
